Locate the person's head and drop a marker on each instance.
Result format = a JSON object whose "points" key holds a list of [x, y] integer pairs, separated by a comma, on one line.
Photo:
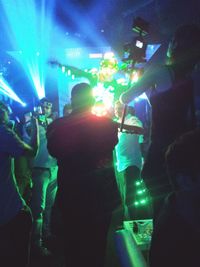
{"points": [[184, 48], [46, 106], [182, 159], [4, 113], [82, 98]]}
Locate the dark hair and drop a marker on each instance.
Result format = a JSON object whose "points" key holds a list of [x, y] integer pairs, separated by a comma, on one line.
{"points": [[44, 99], [184, 49], [81, 96], [182, 156], [81, 89]]}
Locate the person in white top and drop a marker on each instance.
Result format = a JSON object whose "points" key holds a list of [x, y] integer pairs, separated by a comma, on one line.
{"points": [[128, 158]]}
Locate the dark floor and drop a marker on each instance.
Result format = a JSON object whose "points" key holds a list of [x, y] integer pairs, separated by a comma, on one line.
{"points": [[49, 262], [57, 259]]}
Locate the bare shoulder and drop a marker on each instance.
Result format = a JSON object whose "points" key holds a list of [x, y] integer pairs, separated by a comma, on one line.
{"points": [[155, 76], [163, 78]]}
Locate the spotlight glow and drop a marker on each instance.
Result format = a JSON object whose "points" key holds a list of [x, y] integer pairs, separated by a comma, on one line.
{"points": [[87, 26], [109, 55], [7, 90], [99, 110], [105, 95], [28, 25]]}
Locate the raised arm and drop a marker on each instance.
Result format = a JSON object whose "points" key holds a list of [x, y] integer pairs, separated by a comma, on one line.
{"points": [[154, 76]]}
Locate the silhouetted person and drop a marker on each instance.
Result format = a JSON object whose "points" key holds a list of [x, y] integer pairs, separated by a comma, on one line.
{"points": [[22, 166], [176, 235], [87, 192], [44, 176], [172, 100]]}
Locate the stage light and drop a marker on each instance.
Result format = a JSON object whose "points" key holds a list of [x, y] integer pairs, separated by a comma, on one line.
{"points": [[95, 55], [99, 110], [28, 25], [108, 55], [143, 201], [105, 95], [136, 203], [63, 70], [8, 91], [122, 81], [140, 192], [108, 97], [137, 183], [98, 92]]}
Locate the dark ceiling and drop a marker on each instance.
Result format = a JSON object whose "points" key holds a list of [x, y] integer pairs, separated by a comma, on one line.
{"points": [[113, 18]]}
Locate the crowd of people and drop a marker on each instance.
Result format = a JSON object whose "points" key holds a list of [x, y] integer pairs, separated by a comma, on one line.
{"points": [[68, 162]]}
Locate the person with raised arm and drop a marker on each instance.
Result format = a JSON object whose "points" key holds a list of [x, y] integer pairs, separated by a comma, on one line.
{"points": [[171, 91]]}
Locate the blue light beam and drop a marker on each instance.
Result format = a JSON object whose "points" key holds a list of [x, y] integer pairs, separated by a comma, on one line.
{"points": [[85, 24], [7, 90], [29, 26]]}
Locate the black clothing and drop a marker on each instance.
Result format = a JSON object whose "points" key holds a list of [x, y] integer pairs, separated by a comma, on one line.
{"points": [[171, 112], [176, 238], [87, 190], [15, 240], [172, 116]]}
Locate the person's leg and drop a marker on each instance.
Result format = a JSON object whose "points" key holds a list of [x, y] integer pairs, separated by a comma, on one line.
{"points": [[50, 199], [85, 240], [15, 241], [131, 175], [40, 184], [98, 242]]}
